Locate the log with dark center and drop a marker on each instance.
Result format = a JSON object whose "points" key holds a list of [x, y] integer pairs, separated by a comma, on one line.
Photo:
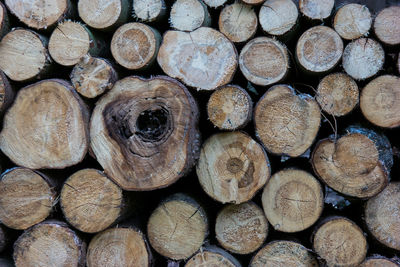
{"points": [[212, 256], [144, 132]]}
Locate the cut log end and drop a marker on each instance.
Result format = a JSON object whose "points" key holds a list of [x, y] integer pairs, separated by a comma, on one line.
{"points": [[363, 58], [93, 76], [337, 94], [204, 59], [380, 101], [135, 45], [23, 55], [298, 124], [90, 201], [387, 25], [52, 243], [340, 242], [283, 254], [383, 211], [46, 127], [278, 17], [102, 14], [379, 261], [230, 108], [232, 167], [316, 9], [292, 200], [177, 228], [26, 198], [319, 49], [352, 21], [188, 15], [238, 22], [118, 247], [39, 16], [149, 10], [139, 128], [214, 3], [242, 228], [264, 61], [212, 257]]}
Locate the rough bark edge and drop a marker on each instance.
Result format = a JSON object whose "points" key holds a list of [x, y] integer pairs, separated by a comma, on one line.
{"points": [[161, 16], [5, 24], [9, 93], [217, 250]]}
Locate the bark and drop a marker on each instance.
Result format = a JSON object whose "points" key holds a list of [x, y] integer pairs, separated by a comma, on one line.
{"points": [[316, 10], [387, 25], [378, 261], [46, 127], [352, 21], [214, 3], [4, 21], [144, 132], [212, 256], [7, 93], [189, 15], [149, 10]]}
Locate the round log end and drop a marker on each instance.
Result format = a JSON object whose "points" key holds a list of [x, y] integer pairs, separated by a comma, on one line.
{"points": [[148, 10], [100, 14], [212, 257], [285, 122], [188, 15], [230, 108], [387, 25], [379, 261], [316, 9], [278, 17], [264, 61], [292, 200], [352, 21], [6, 93]]}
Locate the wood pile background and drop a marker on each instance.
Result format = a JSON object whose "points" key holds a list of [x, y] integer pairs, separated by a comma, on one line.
{"points": [[200, 133]]}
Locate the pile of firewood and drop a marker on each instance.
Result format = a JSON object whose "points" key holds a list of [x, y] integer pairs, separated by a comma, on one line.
{"points": [[199, 133]]}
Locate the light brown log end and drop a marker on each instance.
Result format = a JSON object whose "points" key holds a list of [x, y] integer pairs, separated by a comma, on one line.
{"points": [[242, 228], [340, 242], [316, 9], [382, 216], [278, 17], [144, 132], [319, 49], [177, 227], [292, 200], [230, 108], [379, 261], [188, 15], [7, 93], [212, 256], [387, 25], [363, 58], [204, 59], [380, 101], [102, 14], [264, 61], [286, 122], [352, 21], [232, 167], [46, 127], [93, 76], [337, 94], [119, 247]]}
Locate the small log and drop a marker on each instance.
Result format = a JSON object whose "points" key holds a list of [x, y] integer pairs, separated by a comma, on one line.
{"points": [[149, 10], [316, 9], [357, 165], [104, 15], [3, 239], [380, 101], [264, 61], [144, 132], [7, 93], [23, 55], [50, 243], [46, 127], [4, 21], [232, 167], [90, 201], [188, 15], [119, 247], [352, 21], [238, 22], [319, 50], [337, 94], [379, 261], [214, 3], [278, 17], [135, 45], [363, 58], [242, 228], [26, 198], [387, 25], [177, 227], [92, 76], [292, 200], [71, 41], [204, 59], [282, 253], [286, 122], [40, 14], [230, 108], [382, 216], [340, 242], [212, 256]]}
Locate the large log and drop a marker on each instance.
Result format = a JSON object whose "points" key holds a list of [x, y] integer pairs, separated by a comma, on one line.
{"points": [[352, 21], [27, 197], [144, 132], [232, 167], [212, 256], [387, 25], [46, 127], [188, 15]]}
